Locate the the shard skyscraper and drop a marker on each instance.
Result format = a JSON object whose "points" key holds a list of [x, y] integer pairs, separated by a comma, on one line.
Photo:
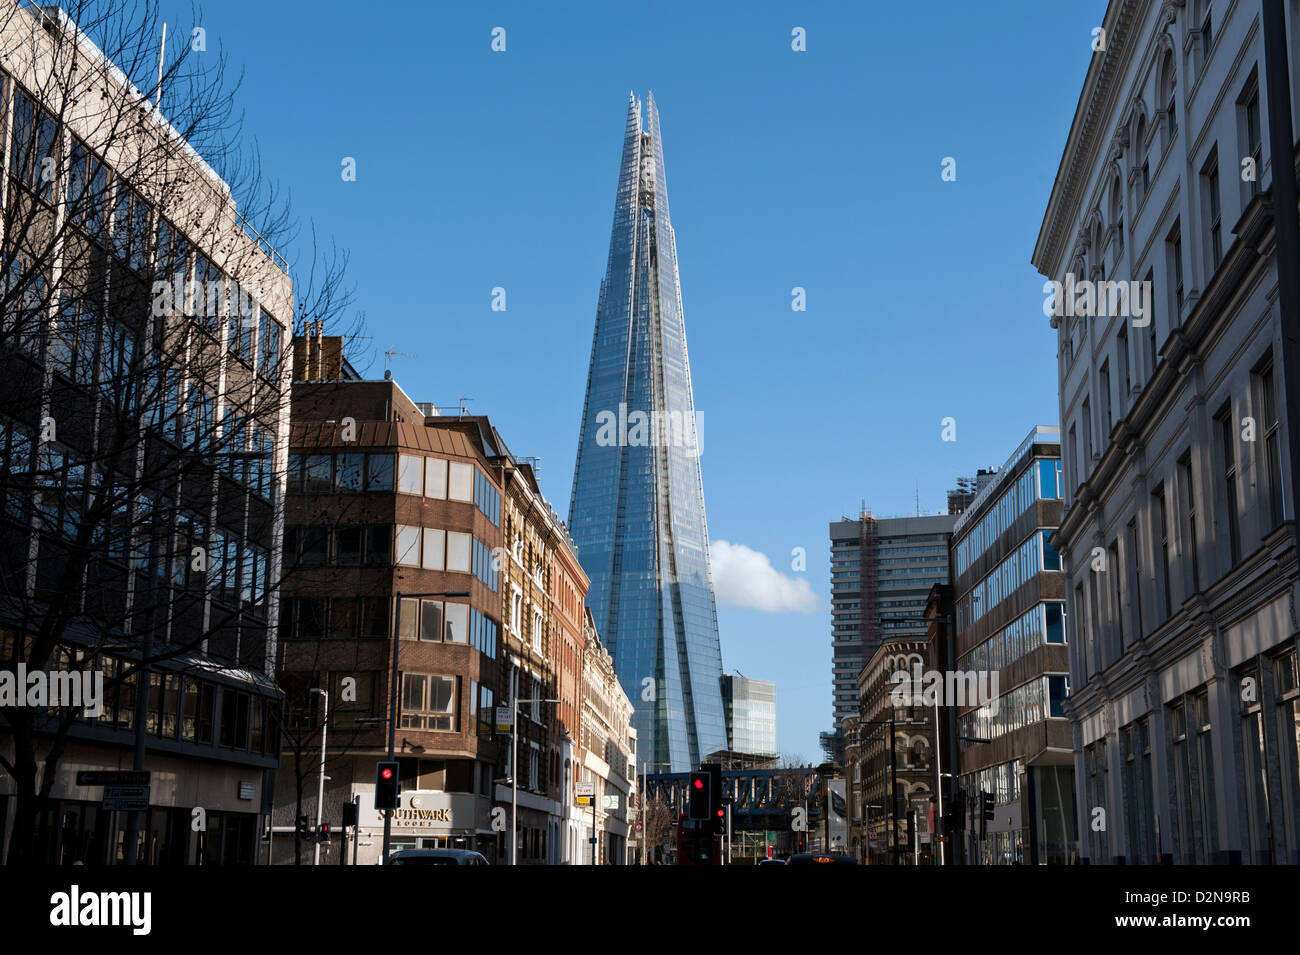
{"points": [[637, 512]]}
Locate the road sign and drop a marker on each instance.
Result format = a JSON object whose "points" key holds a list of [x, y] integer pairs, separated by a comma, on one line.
{"points": [[608, 802], [126, 797], [113, 777], [592, 840], [505, 719], [871, 833], [584, 793]]}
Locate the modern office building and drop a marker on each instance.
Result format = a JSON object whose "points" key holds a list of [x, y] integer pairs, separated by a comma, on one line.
{"points": [[881, 572], [142, 454], [751, 715], [1010, 622], [1178, 531], [637, 512]]}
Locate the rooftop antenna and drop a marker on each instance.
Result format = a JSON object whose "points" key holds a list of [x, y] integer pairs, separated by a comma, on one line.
{"points": [[918, 498], [464, 405], [392, 350]]}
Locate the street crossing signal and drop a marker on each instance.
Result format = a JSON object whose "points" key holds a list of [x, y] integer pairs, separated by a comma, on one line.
{"points": [[304, 826], [701, 795], [387, 787], [988, 806], [349, 814], [323, 832]]}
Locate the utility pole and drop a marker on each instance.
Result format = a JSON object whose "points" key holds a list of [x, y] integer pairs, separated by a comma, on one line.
{"points": [[320, 789]]}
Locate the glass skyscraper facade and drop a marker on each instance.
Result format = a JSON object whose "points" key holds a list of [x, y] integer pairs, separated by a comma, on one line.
{"points": [[637, 511]]}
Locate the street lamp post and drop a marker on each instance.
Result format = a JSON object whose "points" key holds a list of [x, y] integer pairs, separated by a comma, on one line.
{"points": [[393, 690], [320, 789], [514, 773]]}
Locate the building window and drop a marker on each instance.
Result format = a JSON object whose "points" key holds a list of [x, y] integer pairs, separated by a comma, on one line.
{"points": [[435, 543], [408, 545], [410, 474], [1074, 459], [1266, 402], [1253, 135], [1124, 380], [1169, 97], [1228, 446], [457, 623], [1210, 195], [1085, 413], [1135, 578], [428, 702], [460, 486], [1162, 536], [1188, 491], [435, 478], [1153, 353], [1174, 251], [1117, 595], [1103, 394], [379, 476], [458, 551], [431, 623]]}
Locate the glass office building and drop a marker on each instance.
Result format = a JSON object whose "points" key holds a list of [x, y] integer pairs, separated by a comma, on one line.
{"points": [[1009, 590], [637, 511]]}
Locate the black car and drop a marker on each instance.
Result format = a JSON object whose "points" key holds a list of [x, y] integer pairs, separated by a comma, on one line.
{"points": [[820, 858], [436, 857]]}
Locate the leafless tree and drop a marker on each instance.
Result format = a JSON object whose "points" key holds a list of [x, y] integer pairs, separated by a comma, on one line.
{"points": [[145, 320]]}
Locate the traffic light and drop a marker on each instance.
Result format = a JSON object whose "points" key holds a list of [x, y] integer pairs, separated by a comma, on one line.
{"points": [[387, 787], [304, 826], [985, 810], [701, 796], [323, 832], [720, 821], [349, 814]]}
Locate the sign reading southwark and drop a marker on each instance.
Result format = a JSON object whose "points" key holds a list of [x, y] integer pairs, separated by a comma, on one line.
{"points": [[420, 817]]}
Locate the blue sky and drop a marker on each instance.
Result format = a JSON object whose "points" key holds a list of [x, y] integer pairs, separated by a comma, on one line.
{"points": [[818, 169]]}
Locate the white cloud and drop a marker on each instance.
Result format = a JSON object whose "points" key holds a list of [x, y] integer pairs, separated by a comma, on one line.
{"points": [[743, 577]]}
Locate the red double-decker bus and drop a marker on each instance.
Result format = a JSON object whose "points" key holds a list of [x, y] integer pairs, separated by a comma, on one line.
{"points": [[696, 843]]}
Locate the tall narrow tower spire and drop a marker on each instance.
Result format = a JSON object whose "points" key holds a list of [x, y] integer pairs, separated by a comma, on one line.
{"points": [[637, 511]]}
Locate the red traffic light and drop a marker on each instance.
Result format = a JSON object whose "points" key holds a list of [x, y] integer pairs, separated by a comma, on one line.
{"points": [[699, 784], [386, 773], [721, 814]]}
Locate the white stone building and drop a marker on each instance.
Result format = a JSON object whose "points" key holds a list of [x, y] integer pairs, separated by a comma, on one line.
{"points": [[1178, 532]]}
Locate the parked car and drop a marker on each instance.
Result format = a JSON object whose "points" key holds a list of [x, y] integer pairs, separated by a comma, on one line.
{"points": [[437, 857], [814, 858], [771, 862]]}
